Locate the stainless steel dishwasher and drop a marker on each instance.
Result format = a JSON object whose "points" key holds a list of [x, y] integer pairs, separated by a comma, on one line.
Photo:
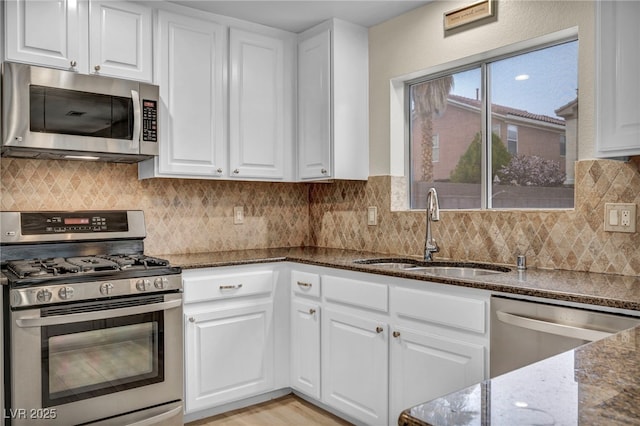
{"points": [[525, 332]]}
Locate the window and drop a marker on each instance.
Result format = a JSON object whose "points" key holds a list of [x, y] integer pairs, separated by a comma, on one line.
{"points": [[435, 143], [527, 94], [512, 139]]}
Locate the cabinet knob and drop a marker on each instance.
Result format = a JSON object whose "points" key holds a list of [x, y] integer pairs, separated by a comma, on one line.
{"points": [[73, 64], [323, 171], [312, 311], [97, 68], [219, 170], [236, 171], [396, 334], [192, 319], [379, 329]]}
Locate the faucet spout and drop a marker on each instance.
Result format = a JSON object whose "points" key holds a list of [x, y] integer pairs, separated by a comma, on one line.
{"points": [[433, 215]]}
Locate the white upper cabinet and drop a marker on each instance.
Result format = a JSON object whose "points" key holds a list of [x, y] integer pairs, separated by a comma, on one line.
{"points": [[617, 83], [121, 40], [227, 99], [105, 37], [333, 102], [191, 57], [261, 87]]}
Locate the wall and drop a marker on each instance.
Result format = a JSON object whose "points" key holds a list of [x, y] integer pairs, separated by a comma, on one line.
{"points": [[182, 215], [415, 41]]}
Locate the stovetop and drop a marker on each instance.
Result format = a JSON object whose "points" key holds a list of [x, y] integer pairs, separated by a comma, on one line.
{"points": [[57, 266], [84, 268]]}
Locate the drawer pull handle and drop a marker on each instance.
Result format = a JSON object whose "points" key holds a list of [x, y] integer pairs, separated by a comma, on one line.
{"points": [[379, 329], [230, 287], [303, 284], [396, 334], [312, 311]]}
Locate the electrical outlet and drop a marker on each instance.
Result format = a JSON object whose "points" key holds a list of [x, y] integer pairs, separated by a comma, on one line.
{"points": [[238, 215], [372, 215], [620, 217]]}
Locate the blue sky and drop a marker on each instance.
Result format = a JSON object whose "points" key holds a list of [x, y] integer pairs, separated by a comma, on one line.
{"points": [[552, 82]]}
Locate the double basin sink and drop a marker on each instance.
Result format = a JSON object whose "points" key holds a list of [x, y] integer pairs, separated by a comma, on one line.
{"points": [[436, 268]]}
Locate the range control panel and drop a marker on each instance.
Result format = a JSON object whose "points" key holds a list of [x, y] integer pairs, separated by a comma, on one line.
{"points": [[40, 223]]}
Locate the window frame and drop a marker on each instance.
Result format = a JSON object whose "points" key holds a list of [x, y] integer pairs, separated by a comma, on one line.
{"points": [[481, 60]]}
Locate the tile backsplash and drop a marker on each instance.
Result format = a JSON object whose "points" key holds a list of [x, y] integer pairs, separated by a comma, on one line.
{"points": [[182, 215], [562, 239], [190, 216]]}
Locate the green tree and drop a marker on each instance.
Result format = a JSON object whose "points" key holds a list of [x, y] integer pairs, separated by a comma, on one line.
{"points": [[429, 98], [468, 168]]}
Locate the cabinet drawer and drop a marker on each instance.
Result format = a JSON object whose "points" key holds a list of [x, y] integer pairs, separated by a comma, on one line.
{"points": [[358, 293], [305, 283], [198, 289], [454, 311]]}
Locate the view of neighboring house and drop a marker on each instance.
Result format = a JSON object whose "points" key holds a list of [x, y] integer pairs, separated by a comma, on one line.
{"points": [[522, 132]]}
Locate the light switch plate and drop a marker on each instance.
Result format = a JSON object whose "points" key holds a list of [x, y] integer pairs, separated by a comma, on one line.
{"points": [[238, 215], [620, 217]]}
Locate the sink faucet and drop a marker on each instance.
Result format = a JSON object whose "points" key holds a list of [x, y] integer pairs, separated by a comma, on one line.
{"points": [[433, 214]]}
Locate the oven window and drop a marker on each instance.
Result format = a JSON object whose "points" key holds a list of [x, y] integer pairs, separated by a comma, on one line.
{"points": [[93, 358], [71, 112]]}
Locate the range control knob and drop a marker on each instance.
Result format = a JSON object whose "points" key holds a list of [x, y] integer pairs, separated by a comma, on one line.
{"points": [[43, 296], [106, 288], [143, 285], [65, 293], [161, 283]]}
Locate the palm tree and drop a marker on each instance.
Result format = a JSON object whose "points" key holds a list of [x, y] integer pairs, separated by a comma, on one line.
{"points": [[429, 99]]}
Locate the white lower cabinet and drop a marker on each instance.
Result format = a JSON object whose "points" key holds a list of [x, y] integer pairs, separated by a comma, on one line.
{"points": [[355, 361], [367, 346], [426, 366], [230, 335], [230, 355], [305, 347]]}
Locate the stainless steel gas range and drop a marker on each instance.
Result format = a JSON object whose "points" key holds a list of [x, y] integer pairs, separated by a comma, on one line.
{"points": [[92, 326]]}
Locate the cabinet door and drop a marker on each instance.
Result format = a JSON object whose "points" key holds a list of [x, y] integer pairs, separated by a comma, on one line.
{"points": [[192, 57], [120, 40], [228, 355], [355, 365], [50, 33], [426, 366], [617, 83], [305, 347], [256, 106], [314, 107]]}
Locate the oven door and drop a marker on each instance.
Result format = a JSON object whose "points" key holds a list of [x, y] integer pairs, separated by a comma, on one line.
{"points": [[87, 361]]}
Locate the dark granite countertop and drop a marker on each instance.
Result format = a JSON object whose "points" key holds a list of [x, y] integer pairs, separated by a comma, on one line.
{"points": [[596, 384], [616, 291]]}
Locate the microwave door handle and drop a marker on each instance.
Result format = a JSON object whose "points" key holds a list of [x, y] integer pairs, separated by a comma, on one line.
{"points": [[137, 120], [552, 327], [97, 315]]}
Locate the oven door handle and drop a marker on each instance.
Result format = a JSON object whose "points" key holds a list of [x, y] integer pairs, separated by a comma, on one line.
{"points": [[97, 315], [552, 327]]}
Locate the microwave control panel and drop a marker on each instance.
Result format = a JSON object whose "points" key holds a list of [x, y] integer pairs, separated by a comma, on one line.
{"points": [[149, 120]]}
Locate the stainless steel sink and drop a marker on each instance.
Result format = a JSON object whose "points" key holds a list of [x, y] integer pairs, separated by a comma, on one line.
{"points": [[447, 269], [454, 271]]}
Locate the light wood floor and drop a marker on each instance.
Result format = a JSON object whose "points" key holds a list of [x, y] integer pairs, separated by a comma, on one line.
{"points": [[285, 411]]}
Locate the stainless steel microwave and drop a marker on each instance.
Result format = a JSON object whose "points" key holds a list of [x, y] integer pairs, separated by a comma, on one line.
{"points": [[56, 114]]}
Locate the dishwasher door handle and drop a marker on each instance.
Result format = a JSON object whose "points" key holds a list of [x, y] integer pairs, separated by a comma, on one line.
{"points": [[552, 327]]}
